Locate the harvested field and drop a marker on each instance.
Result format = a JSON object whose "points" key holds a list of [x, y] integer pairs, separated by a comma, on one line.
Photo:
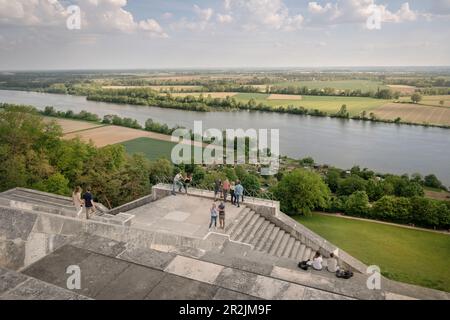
{"points": [[284, 97], [107, 135], [414, 113], [403, 89], [69, 126], [438, 195]]}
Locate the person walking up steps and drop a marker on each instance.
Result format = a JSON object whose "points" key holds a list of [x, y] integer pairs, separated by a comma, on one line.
{"points": [[233, 197], [77, 202], [238, 192], [217, 189], [213, 212], [89, 203], [225, 189], [222, 216]]}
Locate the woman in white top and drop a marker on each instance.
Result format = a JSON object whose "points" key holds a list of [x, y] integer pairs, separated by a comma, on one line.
{"points": [[77, 202], [316, 263]]}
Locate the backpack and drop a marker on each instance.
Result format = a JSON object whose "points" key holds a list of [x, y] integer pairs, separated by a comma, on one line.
{"points": [[344, 274], [303, 265]]}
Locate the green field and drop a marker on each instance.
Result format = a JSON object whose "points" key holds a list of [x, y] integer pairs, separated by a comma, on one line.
{"points": [[355, 105], [151, 148], [363, 85], [406, 255]]}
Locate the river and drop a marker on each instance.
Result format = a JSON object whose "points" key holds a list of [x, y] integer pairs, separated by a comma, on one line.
{"points": [[386, 148]]}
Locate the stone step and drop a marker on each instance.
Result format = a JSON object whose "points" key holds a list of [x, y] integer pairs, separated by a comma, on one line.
{"points": [[229, 229], [247, 228], [260, 232], [287, 252], [295, 249], [42, 202], [265, 237], [37, 196], [249, 237], [242, 224], [307, 254], [301, 252], [283, 244], [269, 242], [276, 243]]}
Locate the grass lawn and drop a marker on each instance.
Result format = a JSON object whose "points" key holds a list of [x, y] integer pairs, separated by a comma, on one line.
{"points": [[151, 148], [355, 105], [411, 256], [363, 85]]}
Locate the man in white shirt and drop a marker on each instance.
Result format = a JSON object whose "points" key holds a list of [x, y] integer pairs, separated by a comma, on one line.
{"points": [[332, 263]]}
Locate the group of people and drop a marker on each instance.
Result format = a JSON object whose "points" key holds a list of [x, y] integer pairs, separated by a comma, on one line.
{"points": [[332, 265], [86, 200], [235, 189]]}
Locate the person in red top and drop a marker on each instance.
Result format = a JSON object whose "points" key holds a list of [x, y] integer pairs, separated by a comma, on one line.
{"points": [[225, 189]]}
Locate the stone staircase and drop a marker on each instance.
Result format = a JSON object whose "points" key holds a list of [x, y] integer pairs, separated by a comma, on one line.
{"points": [[28, 199], [255, 230]]}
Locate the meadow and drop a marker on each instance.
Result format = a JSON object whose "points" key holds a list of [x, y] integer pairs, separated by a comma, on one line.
{"points": [[363, 85], [329, 104], [432, 101], [407, 255]]}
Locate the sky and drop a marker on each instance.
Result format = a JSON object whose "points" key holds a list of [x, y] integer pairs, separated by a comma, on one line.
{"points": [[157, 34]]}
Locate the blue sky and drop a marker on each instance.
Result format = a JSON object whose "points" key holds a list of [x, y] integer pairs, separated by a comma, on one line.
{"points": [[223, 33]]}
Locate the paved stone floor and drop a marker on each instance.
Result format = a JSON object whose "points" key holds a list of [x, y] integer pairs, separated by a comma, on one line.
{"points": [[181, 215]]}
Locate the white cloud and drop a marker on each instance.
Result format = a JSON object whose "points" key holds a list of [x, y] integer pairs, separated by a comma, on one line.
{"points": [[202, 20], [224, 18], [31, 12], [357, 11], [153, 28], [96, 16], [269, 14]]}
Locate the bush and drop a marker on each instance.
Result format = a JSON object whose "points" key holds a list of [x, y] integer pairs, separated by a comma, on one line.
{"points": [[302, 191], [357, 204], [393, 209], [350, 185]]}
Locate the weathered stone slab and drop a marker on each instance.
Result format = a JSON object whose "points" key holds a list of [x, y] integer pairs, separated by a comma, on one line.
{"points": [[33, 289], [237, 280], [48, 224], [12, 253], [53, 267], [97, 272], [225, 294], [15, 224], [98, 244], [173, 287], [9, 280], [268, 288], [314, 294], [194, 269], [147, 257], [134, 283]]}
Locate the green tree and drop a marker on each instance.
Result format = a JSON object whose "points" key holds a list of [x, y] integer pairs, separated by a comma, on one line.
{"points": [[416, 98], [357, 204], [56, 183], [251, 184], [351, 184], [302, 191]]}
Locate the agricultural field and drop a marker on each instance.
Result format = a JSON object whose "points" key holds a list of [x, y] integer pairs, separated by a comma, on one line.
{"points": [[220, 95], [363, 85], [404, 90], [407, 255], [151, 148], [71, 126], [414, 113], [432, 101], [157, 88], [329, 104]]}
